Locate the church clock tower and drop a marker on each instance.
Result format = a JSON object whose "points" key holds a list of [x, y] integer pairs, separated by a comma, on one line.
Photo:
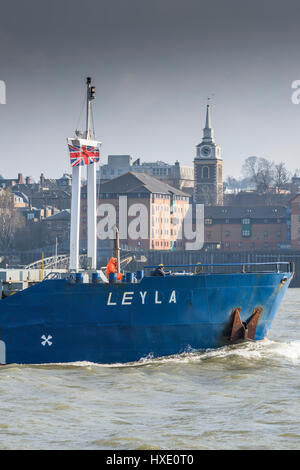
{"points": [[208, 168]]}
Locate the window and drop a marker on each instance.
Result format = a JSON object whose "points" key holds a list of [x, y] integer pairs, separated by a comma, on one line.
{"points": [[227, 244], [205, 172], [208, 221], [266, 234], [245, 221], [246, 233]]}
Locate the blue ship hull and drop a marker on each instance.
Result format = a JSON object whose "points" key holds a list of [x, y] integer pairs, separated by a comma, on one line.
{"points": [[56, 321]]}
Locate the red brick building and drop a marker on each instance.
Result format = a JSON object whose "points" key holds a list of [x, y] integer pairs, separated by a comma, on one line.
{"points": [[140, 194], [295, 222], [246, 228]]}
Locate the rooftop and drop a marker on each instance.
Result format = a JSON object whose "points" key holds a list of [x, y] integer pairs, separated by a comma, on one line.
{"points": [[238, 212], [132, 182], [62, 215]]}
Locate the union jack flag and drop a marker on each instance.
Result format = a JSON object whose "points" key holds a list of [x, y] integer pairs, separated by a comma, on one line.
{"points": [[83, 154], [75, 155], [90, 154]]}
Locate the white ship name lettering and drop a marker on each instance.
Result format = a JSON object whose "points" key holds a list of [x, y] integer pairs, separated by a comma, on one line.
{"points": [[156, 298], [128, 297], [143, 295], [109, 300]]}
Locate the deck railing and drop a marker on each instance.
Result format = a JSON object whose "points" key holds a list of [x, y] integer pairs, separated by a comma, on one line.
{"points": [[228, 268]]}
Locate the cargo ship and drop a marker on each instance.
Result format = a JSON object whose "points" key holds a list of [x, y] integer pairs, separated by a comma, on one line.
{"points": [[90, 315]]}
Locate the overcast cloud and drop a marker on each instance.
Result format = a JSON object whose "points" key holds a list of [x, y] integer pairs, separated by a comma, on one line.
{"points": [[153, 64]]}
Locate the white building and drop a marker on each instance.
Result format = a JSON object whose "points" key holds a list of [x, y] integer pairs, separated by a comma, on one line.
{"points": [[177, 175]]}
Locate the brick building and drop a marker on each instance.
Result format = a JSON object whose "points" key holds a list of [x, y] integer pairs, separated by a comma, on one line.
{"points": [[59, 225], [164, 206], [236, 228], [295, 222], [47, 192]]}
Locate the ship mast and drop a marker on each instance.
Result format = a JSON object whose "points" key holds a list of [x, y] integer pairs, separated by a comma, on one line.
{"points": [[91, 188], [76, 146]]}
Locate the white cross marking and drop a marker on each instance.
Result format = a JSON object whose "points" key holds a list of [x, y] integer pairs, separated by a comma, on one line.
{"points": [[46, 340]]}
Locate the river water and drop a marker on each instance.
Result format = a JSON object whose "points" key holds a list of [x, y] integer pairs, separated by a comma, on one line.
{"points": [[238, 397]]}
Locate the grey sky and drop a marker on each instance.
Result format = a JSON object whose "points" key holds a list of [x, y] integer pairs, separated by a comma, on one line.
{"points": [[154, 62]]}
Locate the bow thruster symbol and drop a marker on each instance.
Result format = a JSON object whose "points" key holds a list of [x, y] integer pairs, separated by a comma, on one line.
{"points": [[46, 340]]}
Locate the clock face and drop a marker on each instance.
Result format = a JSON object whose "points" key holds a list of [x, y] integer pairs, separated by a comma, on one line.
{"points": [[206, 151]]}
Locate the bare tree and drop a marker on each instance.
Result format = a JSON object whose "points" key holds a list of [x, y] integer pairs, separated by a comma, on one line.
{"points": [[250, 169], [10, 220], [232, 182], [208, 195], [260, 171], [266, 174], [281, 176]]}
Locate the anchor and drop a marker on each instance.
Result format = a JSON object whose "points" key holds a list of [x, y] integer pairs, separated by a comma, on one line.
{"points": [[239, 330]]}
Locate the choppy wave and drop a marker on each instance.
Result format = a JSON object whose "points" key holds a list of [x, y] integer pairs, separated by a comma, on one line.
{"points": [[260, 350], [251, 351]]}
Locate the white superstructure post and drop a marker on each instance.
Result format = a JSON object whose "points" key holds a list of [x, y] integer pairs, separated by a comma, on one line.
{"points": [[75, 218], [91, 189], [91, 216]]}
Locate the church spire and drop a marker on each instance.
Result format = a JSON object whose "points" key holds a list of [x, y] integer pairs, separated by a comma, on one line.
{"points": [[208, 132], [207, 122]]}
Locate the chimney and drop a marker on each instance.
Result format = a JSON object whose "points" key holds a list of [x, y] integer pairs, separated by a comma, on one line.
{"points": [[20, 178], [27, 180], [42, 179]]}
